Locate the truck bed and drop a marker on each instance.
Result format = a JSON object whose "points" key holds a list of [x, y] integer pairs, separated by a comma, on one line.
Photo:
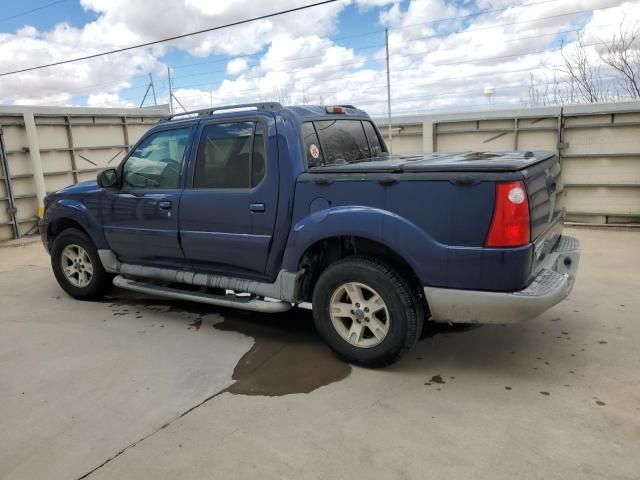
{"points": [[511, 161]]}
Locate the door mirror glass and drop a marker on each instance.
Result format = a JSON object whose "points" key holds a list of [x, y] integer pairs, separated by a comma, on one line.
{"points": [[108, 178]]}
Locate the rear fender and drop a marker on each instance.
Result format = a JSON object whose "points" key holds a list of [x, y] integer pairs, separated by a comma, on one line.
{"points": [[421, 252]]}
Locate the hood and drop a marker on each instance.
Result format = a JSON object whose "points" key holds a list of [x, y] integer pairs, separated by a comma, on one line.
{"points": [[81, 187], [442, 162]]}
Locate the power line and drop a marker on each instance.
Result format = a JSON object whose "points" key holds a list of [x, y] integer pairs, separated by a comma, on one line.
{"points": [[368, 47], [361, 48], [359, 62], [36, 9], [426, 37], [462, 17], [462, 62], [471, 30], [415, 40], [168, 39], [373, 32]]}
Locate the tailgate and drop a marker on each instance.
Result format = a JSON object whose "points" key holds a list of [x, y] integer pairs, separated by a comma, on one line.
{"points": [[545, 189]]}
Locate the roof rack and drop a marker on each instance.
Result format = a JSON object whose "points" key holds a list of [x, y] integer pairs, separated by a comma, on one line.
{"points": [[209, 111]]}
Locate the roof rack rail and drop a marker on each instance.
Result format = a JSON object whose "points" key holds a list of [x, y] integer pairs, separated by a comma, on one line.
{"points": [[208, 111]]}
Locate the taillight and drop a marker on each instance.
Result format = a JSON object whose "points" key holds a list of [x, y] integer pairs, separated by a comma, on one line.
{"points": [[337, 109], [510, 223]]}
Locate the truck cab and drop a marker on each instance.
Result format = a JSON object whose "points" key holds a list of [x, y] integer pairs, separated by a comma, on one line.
{"points": [[305, 206]]}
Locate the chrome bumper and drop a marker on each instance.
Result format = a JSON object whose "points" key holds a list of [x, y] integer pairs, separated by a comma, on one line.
{"points": [[551, 285]]}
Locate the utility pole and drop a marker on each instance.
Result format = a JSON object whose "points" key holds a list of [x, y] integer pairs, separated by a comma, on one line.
{"points": [[386, 45], [170, 91], [153, 90]]}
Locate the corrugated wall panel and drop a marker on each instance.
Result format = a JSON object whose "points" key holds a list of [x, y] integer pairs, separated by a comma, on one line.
{"points": [[600, 152], [92, 128]]}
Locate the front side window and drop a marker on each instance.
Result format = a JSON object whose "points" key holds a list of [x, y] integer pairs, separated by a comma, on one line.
{"points": [[157, 161], [230, 155]]}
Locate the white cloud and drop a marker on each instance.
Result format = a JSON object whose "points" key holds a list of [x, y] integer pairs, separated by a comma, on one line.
{"points": [[125, 22], [434, 64], [107, 100], [237, 66]]}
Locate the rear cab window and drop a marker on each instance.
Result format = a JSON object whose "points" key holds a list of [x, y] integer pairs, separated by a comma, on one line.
{"points": [[331, 142]]}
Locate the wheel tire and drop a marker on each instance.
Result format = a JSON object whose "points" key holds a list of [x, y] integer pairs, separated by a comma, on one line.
{"points": [[403, 314], [99, 282]]}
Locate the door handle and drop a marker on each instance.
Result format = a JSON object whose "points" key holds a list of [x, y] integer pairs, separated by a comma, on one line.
{"points": [[164, 205], [257, 207]]}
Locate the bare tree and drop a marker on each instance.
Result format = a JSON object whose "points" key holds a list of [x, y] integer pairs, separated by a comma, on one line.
{"points": [[579, 79], [622, 54], [283, 96], [583, 70], [549, 91], [305, 98]]}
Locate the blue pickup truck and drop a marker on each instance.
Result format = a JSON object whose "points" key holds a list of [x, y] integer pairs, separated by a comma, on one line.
{"points": [[264, 208]]}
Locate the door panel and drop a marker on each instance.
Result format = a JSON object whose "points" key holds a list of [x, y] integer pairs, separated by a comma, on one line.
{"points": [[141, 230], [141, 219], [227, 219]]}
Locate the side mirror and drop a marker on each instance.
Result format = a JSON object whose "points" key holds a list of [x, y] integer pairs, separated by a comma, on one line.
{"points": [[108, 178]]}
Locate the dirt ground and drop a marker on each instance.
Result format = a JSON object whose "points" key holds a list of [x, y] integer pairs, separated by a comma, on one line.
{"points": [[135, 387]]}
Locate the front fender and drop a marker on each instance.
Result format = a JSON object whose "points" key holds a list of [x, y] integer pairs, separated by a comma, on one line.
{"points": [[72, 209], [426, 256]]}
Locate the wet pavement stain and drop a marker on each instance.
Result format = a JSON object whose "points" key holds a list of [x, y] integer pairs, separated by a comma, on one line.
{"points": [[436, 379], [196, 324], [288, 355], [432, 329]]}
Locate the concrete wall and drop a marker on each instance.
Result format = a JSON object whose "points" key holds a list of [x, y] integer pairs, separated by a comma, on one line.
{"points": [[73, 145], [599, 147]]}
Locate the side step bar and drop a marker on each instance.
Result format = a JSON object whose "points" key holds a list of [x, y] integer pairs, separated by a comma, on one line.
{"points": [[251, 304]]}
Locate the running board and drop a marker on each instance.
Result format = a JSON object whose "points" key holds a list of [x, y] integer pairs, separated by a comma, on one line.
{"points": [[245, 303]]}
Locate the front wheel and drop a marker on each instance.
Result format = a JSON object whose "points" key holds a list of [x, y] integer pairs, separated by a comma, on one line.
{"points": [[367, 311], [77, 266]]}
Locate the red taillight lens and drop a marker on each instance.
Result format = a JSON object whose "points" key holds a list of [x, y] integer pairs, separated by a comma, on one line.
{"points": [[510, 224], [336, 110]]}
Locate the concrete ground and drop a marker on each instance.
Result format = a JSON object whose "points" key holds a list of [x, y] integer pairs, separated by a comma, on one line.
{"points": [[140, 388]]}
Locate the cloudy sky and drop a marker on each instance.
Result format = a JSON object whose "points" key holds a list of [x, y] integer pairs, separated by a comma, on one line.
{"points": [[443, 53]]}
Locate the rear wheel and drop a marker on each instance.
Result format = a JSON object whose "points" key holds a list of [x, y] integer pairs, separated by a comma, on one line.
{"points": [[77, 266], [367, 311]]}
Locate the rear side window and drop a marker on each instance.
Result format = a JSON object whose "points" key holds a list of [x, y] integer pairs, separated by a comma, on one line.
{"points": [[230, 155], [343, 141], [374, 141], [330, 142], [312, 145]]}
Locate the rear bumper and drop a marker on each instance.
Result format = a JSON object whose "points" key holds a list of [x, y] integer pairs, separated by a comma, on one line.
{"points": [[551, 285]]}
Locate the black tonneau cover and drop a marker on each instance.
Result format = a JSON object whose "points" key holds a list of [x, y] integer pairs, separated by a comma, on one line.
{"points": [[512, 161]]}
